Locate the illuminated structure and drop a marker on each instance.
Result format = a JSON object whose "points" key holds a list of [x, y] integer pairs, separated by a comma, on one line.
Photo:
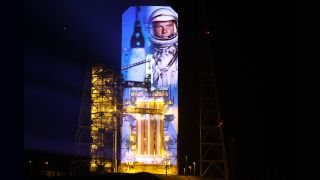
{"points": [[146, 116], [150, 92], [97, 150], [104, 123], [148, 113], [148, 146]]}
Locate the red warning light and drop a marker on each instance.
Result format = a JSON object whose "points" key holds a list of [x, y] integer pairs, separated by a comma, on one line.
{"points": [[220, 124]]}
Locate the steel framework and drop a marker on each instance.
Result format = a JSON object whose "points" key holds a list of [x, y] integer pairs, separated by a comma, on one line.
{"points": [[81, 159], [213, 160], [98, 124]]}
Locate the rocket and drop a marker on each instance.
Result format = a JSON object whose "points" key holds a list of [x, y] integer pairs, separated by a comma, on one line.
{"points": [[137, 60]]}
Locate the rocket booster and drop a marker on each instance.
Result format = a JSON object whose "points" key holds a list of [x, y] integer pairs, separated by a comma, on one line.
{"points": [[137, 53]]}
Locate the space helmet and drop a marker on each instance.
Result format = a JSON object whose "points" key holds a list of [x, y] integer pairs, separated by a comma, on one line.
{"points": [[163, 14]]}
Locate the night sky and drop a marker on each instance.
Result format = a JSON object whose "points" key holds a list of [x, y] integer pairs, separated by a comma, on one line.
{"points": [[251, 62]]}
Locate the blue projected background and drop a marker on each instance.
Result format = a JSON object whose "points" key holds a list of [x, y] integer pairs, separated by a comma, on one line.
{"points": [[150, 121]]}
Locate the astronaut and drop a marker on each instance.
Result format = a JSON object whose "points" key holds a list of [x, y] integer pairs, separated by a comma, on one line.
{"points": [[164, 47]]}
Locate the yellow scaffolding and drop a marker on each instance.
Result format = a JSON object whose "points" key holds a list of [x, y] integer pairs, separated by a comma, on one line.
{"points": [[103, 120]]}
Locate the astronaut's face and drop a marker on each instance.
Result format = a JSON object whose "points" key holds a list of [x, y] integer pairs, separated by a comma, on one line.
{"points": [[163, 29]]}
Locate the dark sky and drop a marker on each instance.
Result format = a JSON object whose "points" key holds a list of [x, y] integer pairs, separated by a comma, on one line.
{"points": [[252, 71], [60, 38]]}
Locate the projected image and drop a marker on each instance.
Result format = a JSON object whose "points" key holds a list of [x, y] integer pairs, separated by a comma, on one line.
{"points": [[150, 99]]}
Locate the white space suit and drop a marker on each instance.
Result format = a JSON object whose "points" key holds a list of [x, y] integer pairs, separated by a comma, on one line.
{"points": [[164, 50]]}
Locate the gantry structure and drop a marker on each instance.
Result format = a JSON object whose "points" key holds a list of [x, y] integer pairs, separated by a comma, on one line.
{"points": [[97, 144], [213, 159]]}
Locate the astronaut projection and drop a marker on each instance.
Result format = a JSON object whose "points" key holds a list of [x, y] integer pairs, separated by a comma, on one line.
{"points": [[150, 98]]}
